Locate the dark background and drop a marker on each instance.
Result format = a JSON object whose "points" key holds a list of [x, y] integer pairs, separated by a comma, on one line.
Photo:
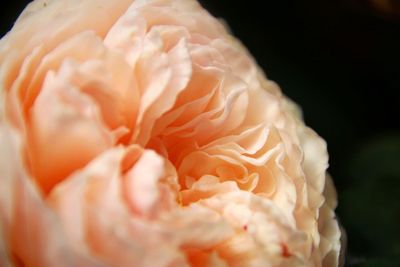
{"points": [[340, 61]]}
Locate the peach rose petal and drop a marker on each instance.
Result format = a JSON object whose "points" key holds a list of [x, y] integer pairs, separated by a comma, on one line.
{"points": [[315, 158], [330, 245], [89, 47], [180, 71], [205, 55], [254, 146], [198, 258], [93, 78], [197, 227], [15, 110], [226, 104], [188, 14], [63, 114], [27, 223], [141, 133], [206, 187], [61, 19], [127, 35], [105, 227], [103, 74], [248, 213], [240, 61], [191, 102], [4, 251], [142, 192]]}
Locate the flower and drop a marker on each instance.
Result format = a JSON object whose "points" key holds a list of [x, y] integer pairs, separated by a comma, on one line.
{"points": [[141, 133]]}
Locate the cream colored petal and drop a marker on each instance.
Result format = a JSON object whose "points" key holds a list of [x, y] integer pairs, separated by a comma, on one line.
{"points": [[262, 225], [196, 227], [239, 60], [330, 246], [205, 55], [152, 63], [171, 35], [285, 195], [264, 107], [184, 13], [211, 165], [249, 141], [207, 186], [266, 144], [315, 160], [267, 183], [127, 35]]}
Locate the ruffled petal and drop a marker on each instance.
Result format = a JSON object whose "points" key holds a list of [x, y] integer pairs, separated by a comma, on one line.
{"points": [[61, 20], [63, 122], [144, 134], [30, 228], [105, 227]]}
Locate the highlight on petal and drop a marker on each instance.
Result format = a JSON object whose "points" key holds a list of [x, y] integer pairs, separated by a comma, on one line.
{"points": [[206, 187], [142, 179]]}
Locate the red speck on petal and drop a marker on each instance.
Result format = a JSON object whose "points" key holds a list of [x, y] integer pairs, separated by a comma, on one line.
{"points": [[285, 251], [245, 227]]}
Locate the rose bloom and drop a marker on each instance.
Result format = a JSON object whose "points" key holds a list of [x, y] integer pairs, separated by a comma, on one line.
{"points": [[141, 133]]}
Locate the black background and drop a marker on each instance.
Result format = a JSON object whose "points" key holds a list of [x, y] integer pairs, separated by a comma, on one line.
{"points": [[340, 61]]}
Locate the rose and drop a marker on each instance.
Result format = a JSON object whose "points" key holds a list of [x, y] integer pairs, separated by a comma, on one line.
{"points": [[140, 133]]}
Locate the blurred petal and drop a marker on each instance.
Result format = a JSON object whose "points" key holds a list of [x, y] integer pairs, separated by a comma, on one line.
{"points": [[30, 228]]}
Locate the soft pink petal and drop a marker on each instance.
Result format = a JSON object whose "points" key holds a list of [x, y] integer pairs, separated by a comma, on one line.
{"points": [[181, 69], [107, 228], [49, 23], [63, 122], [142, 180], [32, 231]]}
